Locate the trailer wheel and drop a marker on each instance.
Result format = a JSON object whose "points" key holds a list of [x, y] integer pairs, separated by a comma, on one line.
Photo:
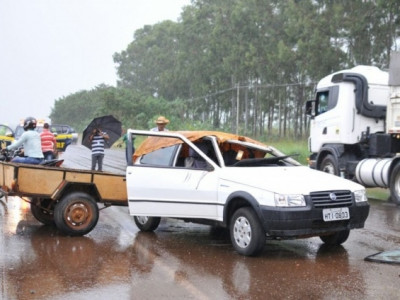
{"points": [[147, 223], [329, 165], [336, 238], [395, 184], [247, 234], [43, 210], [76, 214]]}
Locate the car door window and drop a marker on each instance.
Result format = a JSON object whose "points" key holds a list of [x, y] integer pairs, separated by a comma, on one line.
{"points": [[162, 157]]}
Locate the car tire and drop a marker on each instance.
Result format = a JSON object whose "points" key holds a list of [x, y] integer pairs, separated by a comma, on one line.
{"points": [[336, 238], [147, 224], [247, 235]]}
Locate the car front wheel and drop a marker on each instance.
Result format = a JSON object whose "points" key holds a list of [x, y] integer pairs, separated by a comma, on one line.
{"points": [[247, 234], [336, 238]]}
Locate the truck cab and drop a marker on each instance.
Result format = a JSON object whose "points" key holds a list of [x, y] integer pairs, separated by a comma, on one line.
{"points": [[355, 127], [349, 105]]}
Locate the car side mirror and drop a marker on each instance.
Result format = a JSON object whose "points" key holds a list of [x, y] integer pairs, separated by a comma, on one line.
{"points": [[10, 135]]}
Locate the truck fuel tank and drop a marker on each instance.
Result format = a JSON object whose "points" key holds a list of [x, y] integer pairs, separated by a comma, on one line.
{"points": [[374, 172]]}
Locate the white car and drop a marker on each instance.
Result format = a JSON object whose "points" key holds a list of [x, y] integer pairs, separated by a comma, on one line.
{"points": [[233, 181]]}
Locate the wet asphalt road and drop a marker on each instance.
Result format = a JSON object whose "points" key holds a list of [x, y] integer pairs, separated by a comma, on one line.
{"points": [[186, 261]]}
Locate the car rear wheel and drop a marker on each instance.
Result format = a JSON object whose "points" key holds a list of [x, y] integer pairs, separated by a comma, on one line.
{"points": [[147, 223], [247, 234]]}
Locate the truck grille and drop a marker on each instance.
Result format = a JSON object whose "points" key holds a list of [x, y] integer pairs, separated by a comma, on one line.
{"points": [[330, 199]]}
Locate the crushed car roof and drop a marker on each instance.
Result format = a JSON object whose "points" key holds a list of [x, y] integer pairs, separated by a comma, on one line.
{"points": [[153, 143]]}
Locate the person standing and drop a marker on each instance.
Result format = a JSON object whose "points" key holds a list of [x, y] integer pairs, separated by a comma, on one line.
{"points": [[31, 142], [98, 139], [49, 143], [161, 122], [125, 140]]}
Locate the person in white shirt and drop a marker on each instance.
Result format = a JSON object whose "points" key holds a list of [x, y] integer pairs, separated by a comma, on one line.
{"points": [[31, 142]]}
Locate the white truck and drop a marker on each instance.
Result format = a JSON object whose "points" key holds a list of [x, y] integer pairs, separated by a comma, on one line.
{"points": [[355, 126], [235, 182]]}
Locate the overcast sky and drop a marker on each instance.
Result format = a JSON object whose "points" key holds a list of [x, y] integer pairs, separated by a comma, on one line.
{"points": [[53, 48]]}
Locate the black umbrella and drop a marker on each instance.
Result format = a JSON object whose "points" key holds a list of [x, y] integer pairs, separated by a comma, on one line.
{"points": [[107, 124]]}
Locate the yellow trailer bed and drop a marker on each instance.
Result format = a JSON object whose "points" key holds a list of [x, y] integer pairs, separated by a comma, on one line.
{"points": [[65, 197]]}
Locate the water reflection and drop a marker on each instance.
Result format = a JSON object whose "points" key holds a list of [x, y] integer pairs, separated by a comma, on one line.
{"points": [[178, 263], [3, 206], [282, 271]]}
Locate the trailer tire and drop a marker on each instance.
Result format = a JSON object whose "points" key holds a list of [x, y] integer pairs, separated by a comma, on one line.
{"points": [[247, 235], [43, 210], [336, 238], [147, 224], [76, 214], [395, 185], [329, 165]]}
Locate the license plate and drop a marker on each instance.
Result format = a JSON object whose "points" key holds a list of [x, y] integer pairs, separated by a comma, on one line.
{"points": [[335, 214]]}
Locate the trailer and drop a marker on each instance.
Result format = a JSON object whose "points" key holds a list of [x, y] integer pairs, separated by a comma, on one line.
{"points": [[66, 198]]}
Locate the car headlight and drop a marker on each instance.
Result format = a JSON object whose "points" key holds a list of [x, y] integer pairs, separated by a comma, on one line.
{"points": [[289, 200], [360, 196]]}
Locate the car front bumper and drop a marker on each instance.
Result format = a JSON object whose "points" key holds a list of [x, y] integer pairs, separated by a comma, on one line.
{"points": [[308, 221]]}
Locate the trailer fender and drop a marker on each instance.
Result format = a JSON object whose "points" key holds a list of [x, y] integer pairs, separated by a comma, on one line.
{"points": [[67, 187]]}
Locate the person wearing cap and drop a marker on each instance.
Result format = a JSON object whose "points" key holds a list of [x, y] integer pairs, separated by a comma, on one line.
{"points": [[161, 122]]}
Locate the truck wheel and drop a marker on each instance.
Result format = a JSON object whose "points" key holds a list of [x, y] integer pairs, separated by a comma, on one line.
{"points": [[147, 223], [247, 234], [76, 214], [336, 238], [329, 165], [395, 184], [43, 210]]}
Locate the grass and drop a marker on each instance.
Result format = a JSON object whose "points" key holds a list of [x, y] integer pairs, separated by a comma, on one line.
{"points": [[293, 147], [378, 193]]}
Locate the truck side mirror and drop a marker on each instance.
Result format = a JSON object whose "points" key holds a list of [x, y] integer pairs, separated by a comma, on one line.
{"points": [[310, 108]]}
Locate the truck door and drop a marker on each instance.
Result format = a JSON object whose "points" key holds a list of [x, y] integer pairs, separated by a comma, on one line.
{"points": [[325, 126], [159, 184]]}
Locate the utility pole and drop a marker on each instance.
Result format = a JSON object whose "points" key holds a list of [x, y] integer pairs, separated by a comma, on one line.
{"points": [[237, 108]]}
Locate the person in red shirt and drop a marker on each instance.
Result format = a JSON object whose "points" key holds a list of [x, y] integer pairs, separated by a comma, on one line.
{"points": [[49, 143]]}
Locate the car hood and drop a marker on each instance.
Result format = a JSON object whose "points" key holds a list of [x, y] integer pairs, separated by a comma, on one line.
{"points": [[287, 180]]}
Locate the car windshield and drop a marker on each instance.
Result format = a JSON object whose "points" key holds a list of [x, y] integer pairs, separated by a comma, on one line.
{"points": [[5, 130], [245, 154]]}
